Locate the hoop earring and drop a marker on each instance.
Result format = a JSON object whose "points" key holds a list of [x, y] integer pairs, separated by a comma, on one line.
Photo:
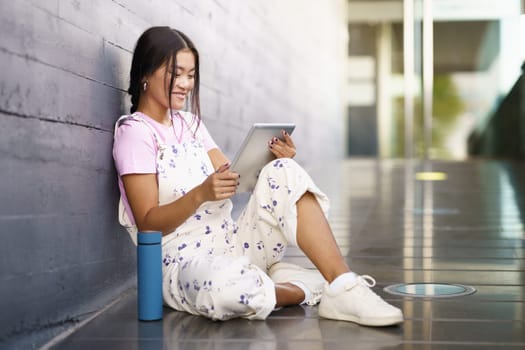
{"points": [[145, 86]]}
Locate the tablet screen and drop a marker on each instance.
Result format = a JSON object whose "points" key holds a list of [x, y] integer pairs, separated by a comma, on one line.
{"points": [[254, 153]]}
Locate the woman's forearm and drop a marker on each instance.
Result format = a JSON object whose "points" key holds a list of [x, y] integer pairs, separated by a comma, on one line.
{"points": [[166, 218]]}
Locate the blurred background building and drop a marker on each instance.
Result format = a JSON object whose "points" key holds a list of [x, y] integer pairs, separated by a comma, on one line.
{"points": [[437, 79]]}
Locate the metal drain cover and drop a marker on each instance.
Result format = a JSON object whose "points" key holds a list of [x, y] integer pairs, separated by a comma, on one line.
{"points": [[430, 290]]}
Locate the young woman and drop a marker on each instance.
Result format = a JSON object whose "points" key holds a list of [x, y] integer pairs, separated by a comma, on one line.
{"points": [[173, 178]]}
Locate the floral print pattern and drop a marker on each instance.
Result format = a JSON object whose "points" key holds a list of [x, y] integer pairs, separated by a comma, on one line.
{"points": [[216, 267]]}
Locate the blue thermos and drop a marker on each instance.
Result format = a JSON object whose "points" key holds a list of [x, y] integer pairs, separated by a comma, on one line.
{"points": [[149, 276]]}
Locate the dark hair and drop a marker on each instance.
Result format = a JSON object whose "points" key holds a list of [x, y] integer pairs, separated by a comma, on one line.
{"points": [[156, 46]]}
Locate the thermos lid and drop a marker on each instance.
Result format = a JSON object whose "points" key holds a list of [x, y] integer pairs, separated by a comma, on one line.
{"points": [[151, 237]]}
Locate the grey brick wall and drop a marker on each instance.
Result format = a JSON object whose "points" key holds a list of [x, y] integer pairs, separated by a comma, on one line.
{"points": [[64, 70]]}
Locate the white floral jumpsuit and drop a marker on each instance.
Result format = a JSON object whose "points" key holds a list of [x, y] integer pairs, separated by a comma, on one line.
{"points": [[213, 266]]}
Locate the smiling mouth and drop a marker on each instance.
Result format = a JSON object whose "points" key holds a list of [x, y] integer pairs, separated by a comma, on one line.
{"points": [[179, 95]]}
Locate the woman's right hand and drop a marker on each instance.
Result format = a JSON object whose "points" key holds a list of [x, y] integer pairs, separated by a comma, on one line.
{"points": [[220, 185]]}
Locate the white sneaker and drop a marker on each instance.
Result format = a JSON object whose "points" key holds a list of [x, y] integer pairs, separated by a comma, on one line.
{"points": [[282, 272], [359, 304]]}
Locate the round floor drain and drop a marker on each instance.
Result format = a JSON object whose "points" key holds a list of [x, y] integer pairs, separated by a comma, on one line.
{"points": [[430, 290]]}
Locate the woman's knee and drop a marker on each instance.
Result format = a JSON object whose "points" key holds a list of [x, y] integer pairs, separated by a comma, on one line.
{"points": [[281, 172], [282, 164]]}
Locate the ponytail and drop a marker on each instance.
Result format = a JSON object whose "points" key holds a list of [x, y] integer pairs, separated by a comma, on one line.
{"points": [[134, 100]]}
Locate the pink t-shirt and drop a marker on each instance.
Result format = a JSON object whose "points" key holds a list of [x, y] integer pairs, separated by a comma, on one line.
{"points": [[135, 149]]}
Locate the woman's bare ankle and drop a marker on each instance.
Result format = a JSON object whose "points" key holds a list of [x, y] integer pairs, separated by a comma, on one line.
{"points": [[288, 294]]}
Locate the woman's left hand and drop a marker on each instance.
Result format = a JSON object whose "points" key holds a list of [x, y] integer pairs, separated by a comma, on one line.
{"points": [[282, 149]]}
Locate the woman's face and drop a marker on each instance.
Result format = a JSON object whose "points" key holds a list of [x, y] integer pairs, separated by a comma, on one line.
{"points": [[159, 82]]}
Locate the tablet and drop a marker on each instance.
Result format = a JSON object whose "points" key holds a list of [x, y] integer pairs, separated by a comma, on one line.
{"points": [[254, 153]]}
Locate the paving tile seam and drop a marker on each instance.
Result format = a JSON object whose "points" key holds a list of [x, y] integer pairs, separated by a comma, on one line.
{"points": [[477, 300], [454, 270], [353, 256], [463, 320], [462, 343], [423, 242], [438, 258]]}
